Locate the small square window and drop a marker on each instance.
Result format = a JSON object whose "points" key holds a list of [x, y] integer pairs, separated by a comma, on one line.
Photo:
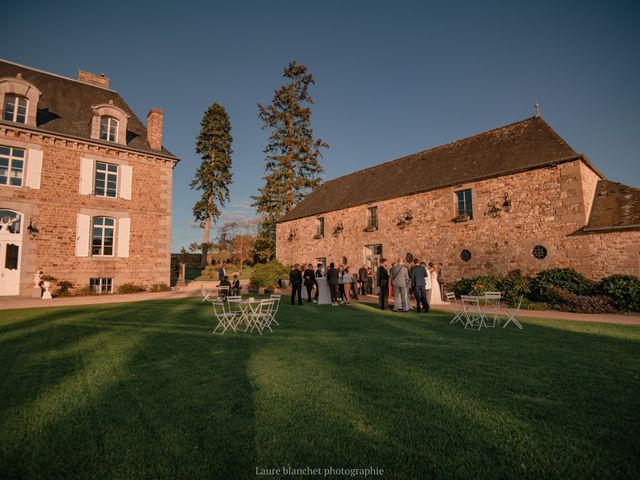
{"points": [[101, 285]]}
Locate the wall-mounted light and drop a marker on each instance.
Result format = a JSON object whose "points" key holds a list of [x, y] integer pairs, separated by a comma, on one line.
{"points": [[33, 228]]}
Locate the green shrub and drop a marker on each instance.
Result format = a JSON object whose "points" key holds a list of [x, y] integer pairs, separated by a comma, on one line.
{"points": [[86, 290], [624, 291], [159, 287], [463, 286], [268, 274], [63, 288], [130, 288], [531, 305], [565, 278], [588, 304], [515, 285], [558, 296], [476, 285]]}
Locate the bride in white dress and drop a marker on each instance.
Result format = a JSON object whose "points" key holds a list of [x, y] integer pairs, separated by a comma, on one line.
{"points": [[436, 298]]}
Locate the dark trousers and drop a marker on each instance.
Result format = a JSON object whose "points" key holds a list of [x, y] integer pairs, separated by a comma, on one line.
{"points": [[334, 292], [341, 291], [421, 299], [384, 296], [296, 288], [309, 288], [363, 288], [315, 297]]}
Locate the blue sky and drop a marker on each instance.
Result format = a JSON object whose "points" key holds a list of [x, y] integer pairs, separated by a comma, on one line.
{"points": [[392, 78]]}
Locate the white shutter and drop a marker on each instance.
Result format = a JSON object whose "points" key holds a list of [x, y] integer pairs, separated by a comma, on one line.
{"points": [[83, 230], [34, 168], [126, 174], [124, 228], [86, 176]]}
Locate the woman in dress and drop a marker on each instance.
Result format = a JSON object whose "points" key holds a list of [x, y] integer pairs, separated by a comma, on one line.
{"points": [[347, 280], [436, 297]]}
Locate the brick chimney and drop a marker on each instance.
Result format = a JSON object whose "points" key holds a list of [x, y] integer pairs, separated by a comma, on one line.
{"points": [[93, 79], [154, 128]]}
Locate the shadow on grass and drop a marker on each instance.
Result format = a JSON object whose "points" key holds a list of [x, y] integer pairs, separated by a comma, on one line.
{"points": [[144, 390]]}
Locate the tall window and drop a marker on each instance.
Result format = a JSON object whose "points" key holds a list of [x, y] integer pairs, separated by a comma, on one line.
{"points": [[11, 166], [106, 180], [320, 227], [372, 218], [15, 108], [465, 207], [108, 129], [102, 236]]}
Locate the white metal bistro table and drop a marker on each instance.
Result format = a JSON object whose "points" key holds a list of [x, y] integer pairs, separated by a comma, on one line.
{"points": [[249, 308]]}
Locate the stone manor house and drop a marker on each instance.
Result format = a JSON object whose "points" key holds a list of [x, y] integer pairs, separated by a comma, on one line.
{"points": [[517, 197], [85, 187]]}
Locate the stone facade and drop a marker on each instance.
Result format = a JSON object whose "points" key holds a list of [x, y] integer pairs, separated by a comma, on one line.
{"points": [[548, 207], [55, 203]]}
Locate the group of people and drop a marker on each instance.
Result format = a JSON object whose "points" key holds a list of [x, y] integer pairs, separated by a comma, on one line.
{"points": [[232, 287], [424, 282]]}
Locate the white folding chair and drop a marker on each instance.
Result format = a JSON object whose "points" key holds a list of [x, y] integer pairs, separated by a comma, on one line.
{"points": [[457, 308], [234, 300], [225, 319], [511, 315], [223, 292], [473, 313], [206, 297], [276, 305], [260, 315], [493, 299]]}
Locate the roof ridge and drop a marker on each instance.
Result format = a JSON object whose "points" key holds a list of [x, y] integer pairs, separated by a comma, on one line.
{"points": [[438, 147], [56, 75]]}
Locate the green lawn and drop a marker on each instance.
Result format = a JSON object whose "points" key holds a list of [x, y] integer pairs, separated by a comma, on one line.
{"points": [[143, 390], [194, 274]]}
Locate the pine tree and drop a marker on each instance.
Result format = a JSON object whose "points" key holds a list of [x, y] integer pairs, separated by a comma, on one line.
{"points": [[213, 176], [292, 154]]}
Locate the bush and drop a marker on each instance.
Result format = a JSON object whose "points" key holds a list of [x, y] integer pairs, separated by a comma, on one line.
{"points": [[624, 291], [130, 288], [588, 304], [476, 285], [86, 290], [530, 305], [63, 288], [558, 296], [159, 287], [515, 285], [268, 274], [565, 278]]}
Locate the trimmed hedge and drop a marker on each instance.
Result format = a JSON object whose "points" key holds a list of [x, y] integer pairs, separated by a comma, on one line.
{"points": [[624, 291], [267, 274]]}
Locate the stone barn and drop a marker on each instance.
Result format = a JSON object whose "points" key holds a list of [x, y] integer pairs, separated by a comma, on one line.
{"points": [[516, 197]]}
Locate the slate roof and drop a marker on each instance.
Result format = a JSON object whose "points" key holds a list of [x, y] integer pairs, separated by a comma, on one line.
{"points": [[615, 206], [520, 146], [65, 107]]}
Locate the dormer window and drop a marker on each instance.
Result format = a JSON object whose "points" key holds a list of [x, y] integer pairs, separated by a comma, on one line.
{"points": [[109, 123], [15, 108], [108, 129]]}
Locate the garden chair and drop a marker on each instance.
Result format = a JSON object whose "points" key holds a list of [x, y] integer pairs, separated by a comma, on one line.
{"points": [[206, 297], [493, 299], [225, 319], [473, 313], [457, 308], [259, 318], [223, 292], [511, 315], [276, 305]]}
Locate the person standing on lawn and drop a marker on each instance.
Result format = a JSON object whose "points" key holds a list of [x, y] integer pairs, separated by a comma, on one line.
{"points": [[362, 278], [419, 278], [383, 283], [332, 280], [309, 280], [295, 278], [347, 281], [400, 282]]}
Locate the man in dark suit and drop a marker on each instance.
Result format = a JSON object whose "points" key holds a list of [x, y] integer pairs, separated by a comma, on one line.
{"points": [[295, 278], [419, 275], [309, 280], [362, 277], [383, 284], [318, 274], [332, 280]]}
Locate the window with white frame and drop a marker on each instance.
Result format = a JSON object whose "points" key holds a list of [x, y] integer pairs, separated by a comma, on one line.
{"points": [[108, 129], [101, 285], [372, 218], [106, 180], [102, 236], [15, 108], [11, 166], [464, 204]]}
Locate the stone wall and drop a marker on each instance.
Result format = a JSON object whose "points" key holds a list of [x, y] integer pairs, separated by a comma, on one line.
{"points": [[548, 206], [56, 204]]}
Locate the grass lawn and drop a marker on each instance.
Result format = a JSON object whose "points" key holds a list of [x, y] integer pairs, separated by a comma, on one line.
{"points": [[194, 274], [143, 390]]}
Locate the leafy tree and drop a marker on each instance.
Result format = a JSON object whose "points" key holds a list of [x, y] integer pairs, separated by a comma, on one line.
{"points": [[213, 176], [292, 167]]}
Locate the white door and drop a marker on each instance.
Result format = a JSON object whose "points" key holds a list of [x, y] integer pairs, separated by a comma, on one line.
{"points": [[10, 268], [10, 251]]}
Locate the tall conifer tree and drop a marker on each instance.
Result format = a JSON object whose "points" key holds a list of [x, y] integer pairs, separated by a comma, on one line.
{"points": [[292, 154], [213, 176]]}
